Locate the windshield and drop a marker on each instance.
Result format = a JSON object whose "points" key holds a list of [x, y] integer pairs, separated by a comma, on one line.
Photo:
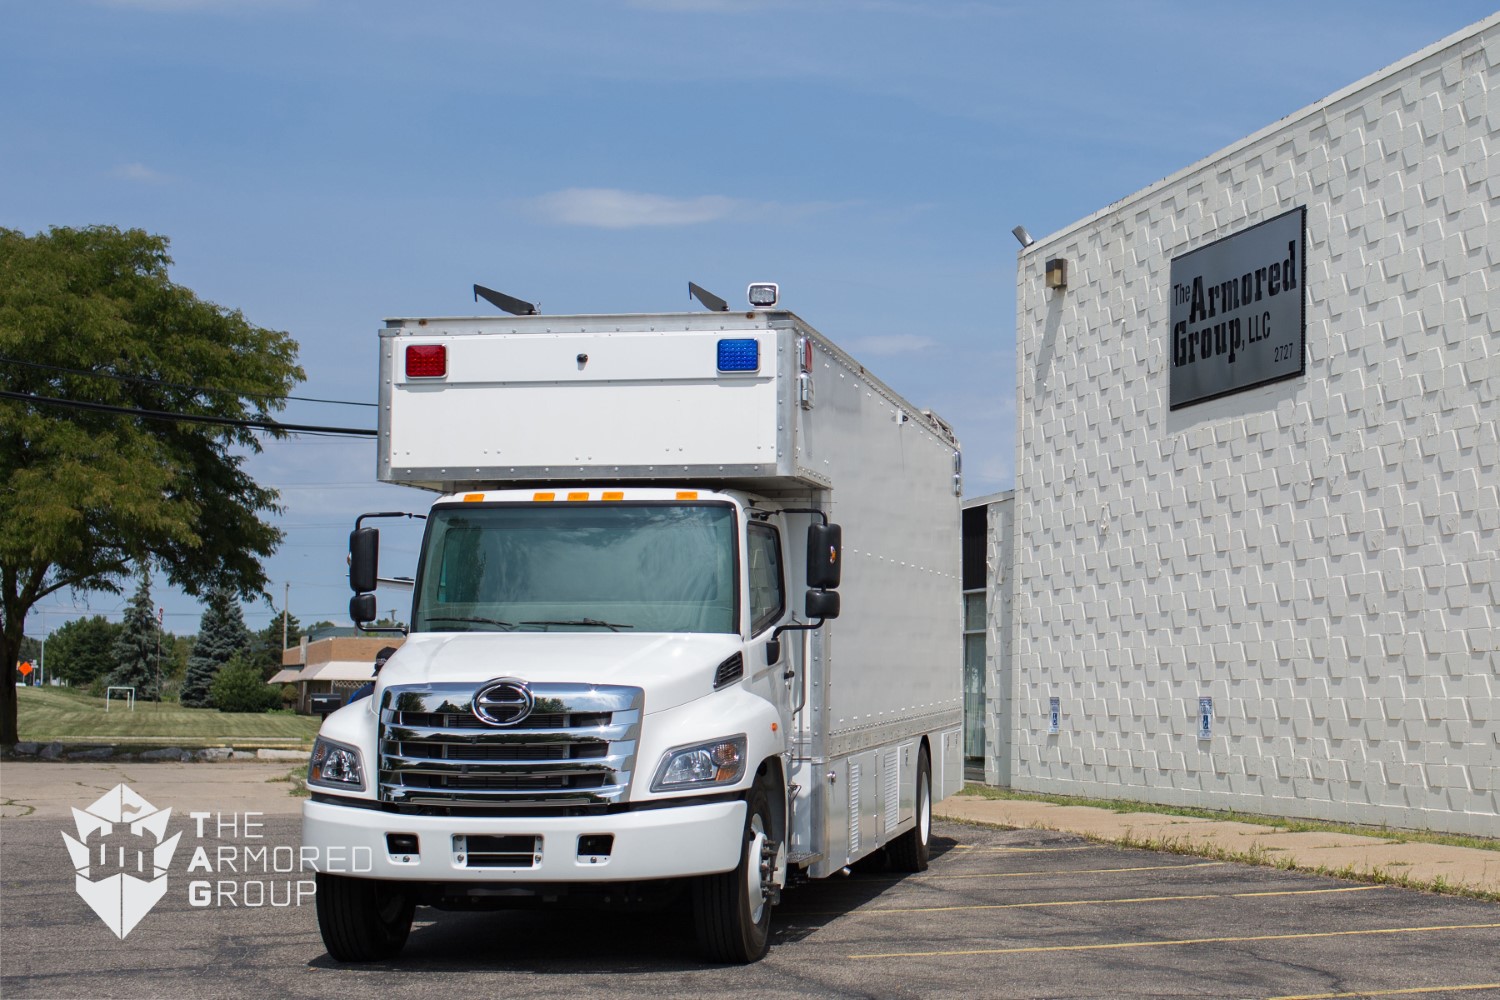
{"points": [[662, 567]]}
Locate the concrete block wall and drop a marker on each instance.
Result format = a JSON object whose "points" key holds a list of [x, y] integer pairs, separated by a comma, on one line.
{"points": [[1320, 556]]}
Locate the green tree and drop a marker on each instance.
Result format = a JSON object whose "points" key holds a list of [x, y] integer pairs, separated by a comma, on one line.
{"points": [[83, 649], [90, 316], [175, 650], [238, 687], [222, 636], [266, 647], [135, 651]]}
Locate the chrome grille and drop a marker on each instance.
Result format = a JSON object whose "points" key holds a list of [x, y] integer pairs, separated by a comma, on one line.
{"points": [[577, 749]]}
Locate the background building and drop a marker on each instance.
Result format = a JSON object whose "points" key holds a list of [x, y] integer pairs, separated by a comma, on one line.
{"points": [[988, 571], [336, 665], [1301, 524]]}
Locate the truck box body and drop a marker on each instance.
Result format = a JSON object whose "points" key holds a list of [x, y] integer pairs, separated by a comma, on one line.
{"points": [[751, 413]]}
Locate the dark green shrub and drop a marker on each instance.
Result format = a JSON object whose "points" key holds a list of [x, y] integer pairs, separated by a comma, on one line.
{"points": [[238, 687]]}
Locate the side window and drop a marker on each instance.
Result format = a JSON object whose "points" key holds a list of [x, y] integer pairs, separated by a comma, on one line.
{"points": [[767, 588]]}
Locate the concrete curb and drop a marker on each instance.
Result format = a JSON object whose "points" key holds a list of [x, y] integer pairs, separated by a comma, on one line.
{"points": [[28, 752], [1418, 865]]}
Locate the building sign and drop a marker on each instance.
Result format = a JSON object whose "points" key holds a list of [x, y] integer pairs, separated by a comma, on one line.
{"points": [[1237, 317]]}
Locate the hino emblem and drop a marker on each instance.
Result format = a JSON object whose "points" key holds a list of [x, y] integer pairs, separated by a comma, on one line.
{"points": [[504, 702]]}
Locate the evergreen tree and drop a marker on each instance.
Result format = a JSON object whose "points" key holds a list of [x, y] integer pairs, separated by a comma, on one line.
{"points": [[221, 634], [135, 649], [265, 645]]}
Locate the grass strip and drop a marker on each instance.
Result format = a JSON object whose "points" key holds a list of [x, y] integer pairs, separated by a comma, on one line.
{"points": [[70, 715], [1282, 823]]}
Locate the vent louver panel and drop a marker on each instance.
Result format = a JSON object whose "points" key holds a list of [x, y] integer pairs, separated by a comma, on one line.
{"points": [[729, 671]]}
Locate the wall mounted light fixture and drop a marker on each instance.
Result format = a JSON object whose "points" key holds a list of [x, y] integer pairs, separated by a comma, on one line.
{"points": [[1057, 273]]}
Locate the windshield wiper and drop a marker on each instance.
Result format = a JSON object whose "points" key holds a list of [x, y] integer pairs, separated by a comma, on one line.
{"points": [[480, 621], [612, 626]]}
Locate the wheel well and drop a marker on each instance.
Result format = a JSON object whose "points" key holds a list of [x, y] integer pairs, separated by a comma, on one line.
{"points": [[770, 776]]}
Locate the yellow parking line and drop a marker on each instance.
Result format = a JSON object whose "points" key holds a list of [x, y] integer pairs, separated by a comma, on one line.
{"points": [[1081, 871], [1392, 993], [1026, 850], [1303, 892], [1097, 902], [1169, 944]]}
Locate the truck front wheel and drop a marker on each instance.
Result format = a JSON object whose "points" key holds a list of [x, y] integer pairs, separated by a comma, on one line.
{"points": [[732, 910], [362, 919]]}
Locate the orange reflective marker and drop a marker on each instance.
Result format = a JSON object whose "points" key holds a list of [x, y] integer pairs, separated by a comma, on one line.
{"points": [[544, 497], [687, 495], [473, 497], [578, 496], [614, 496]]}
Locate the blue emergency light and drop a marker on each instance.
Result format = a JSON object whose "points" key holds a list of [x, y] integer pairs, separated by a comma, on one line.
{"points": [[740, 355]]}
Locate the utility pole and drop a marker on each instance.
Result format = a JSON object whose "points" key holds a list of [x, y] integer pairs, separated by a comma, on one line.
{"points": [[286, 603], [160, 612]]}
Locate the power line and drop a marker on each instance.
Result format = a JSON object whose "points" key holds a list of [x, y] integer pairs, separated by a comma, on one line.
{"points": [[265, 425], [143, 380]]}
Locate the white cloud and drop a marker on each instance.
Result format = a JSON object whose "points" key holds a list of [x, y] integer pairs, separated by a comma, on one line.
{"points": [[140, 173], [610, 208], [891, 344]]}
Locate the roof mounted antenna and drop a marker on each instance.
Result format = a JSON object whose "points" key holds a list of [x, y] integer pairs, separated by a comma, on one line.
{"points": [[709, 299], [503, 302]]}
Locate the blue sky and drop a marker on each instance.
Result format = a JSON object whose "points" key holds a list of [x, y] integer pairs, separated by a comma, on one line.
{"points": [[323, 164]]}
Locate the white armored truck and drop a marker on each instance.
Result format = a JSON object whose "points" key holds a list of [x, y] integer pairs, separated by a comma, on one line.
{"points": [[685, 627]]}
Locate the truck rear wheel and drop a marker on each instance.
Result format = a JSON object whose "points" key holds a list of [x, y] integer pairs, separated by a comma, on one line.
{"points": [[362, 919], [909, 852], [732, 911]]}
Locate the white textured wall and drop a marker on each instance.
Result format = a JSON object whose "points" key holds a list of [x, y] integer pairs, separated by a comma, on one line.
{"points": [[1321, 556]]}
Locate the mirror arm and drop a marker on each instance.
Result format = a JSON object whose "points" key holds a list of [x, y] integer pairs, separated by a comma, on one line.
{"points": [[821, 515], [797, 627], [359, 521], [393, 629]]}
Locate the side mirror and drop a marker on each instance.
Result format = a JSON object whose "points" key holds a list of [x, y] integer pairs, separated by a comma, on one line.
{"points": [[362, 608], [364, 561], [823, 564], [822, 604]]}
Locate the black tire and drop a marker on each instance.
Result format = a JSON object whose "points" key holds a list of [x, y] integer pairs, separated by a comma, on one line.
{"points": [[732, 927], [362, 919], [909, 852]]}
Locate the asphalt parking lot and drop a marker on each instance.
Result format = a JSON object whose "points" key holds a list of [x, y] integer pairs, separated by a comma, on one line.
{"points": [[1001, 913]]}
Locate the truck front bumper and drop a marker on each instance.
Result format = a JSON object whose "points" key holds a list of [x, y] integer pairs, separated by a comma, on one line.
{"points": [[643, 844]]}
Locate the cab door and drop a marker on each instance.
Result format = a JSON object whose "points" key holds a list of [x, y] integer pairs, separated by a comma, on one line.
{"points": [[766, 566]]}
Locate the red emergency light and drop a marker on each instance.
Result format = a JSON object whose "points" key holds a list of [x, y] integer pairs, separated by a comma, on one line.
{"points": [[427, 361]]}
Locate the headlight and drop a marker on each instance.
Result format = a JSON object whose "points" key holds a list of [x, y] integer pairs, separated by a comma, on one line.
{"points": [[336, 765], [717, 762]]}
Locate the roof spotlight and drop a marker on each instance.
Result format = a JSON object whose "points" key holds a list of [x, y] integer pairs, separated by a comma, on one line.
{"points": [[764, 294]]}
